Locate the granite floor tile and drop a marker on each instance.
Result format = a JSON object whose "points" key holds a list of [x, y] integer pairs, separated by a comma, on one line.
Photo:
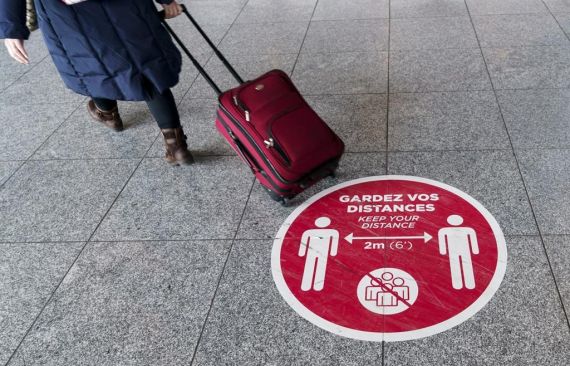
{"points": [[7, 168], [558, 248], [491, 177], [263, 217], [558, 6], [519, 30], [523, 324], [42, 84], [188, 76], [547, 177], [432, 33], [354, 9], [80, 137], [529, 67], [247, 66], [564, 21], [17, 360], [129, 304], [29, 273], [359, 120], [488, 7], [60, 200], [438, 70], [537, 118], [194, 41], [273, 11], [427, 8], [12, 71], [446, 121], [215, 11], [29, 127], [270, 38], [197, 117], [342, 73], [250, 324], [201, 201], [347, 36]]}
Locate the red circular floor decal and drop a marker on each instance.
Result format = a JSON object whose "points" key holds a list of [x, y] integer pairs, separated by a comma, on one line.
{"points": [[389, 258]]}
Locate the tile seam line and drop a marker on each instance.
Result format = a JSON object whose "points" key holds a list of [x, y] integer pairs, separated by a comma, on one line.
{"points": [[229, 155], [121, 241], [49, 299], [387, 141], [323, 20], [545, 250], [41, 145], [126, 158], [201, 98], [481, 15], [378, 18], [32, 67], [221, 276], [304, 38], [556, 20], [536, 235], [387, 156], [435, 91]]}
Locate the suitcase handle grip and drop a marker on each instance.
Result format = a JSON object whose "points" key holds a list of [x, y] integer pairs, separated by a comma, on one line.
{"points": [[210, 43]]}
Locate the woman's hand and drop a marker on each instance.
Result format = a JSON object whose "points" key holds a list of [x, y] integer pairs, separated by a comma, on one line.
{"points": [[172, 10], [17, 51]]}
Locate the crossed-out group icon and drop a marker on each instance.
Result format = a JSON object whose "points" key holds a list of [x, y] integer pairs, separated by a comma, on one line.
{"points": [[387, 290]]}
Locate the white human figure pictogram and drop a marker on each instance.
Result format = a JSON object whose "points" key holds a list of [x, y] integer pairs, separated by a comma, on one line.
{"points": [[459, 243], [317, 245]]}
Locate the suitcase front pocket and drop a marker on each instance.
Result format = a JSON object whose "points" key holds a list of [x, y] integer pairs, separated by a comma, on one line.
{"points": [[299, 137]]}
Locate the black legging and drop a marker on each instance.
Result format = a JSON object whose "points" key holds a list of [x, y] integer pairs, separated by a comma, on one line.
{"points": [[162, 106]]}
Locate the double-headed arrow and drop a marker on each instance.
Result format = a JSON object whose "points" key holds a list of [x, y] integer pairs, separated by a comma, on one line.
{"points": [[426, 237]]}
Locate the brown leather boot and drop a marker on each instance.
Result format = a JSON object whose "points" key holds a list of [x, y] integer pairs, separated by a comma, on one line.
{"points": [[176, 147], [111, 118]]}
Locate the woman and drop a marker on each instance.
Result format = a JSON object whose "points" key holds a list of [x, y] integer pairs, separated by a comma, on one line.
{"points": [[108, 50]]}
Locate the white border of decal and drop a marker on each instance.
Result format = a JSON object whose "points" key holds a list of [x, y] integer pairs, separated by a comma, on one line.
{"points": [[400, 336]]}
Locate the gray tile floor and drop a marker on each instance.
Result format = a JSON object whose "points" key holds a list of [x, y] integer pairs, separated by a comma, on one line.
{"points": [[110, 257]]}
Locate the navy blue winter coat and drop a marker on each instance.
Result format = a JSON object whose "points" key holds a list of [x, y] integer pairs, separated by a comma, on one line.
{"points": [[102, 48]]}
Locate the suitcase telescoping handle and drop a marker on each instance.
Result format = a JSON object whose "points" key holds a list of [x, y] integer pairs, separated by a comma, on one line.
{"points": [[210, 43]]}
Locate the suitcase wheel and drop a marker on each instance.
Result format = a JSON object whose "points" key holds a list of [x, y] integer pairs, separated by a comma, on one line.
{"points": [[277, 198]]}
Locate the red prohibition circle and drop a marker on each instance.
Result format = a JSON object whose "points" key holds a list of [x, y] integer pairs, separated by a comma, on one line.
{"points": [[389, 258]]}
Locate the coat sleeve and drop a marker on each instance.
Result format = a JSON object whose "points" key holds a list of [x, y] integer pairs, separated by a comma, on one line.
{"points": [[13, 19], [166, 2]]}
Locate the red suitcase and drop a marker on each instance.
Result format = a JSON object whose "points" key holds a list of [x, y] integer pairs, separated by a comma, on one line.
{"points": [[273, 129]]}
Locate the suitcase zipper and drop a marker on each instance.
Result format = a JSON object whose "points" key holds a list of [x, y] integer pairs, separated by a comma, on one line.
{"points": [[252, 141], [272, 142], [242, 155]]}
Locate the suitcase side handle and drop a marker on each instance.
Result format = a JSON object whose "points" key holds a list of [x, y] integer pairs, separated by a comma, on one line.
{"points": [[210, 43]]}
